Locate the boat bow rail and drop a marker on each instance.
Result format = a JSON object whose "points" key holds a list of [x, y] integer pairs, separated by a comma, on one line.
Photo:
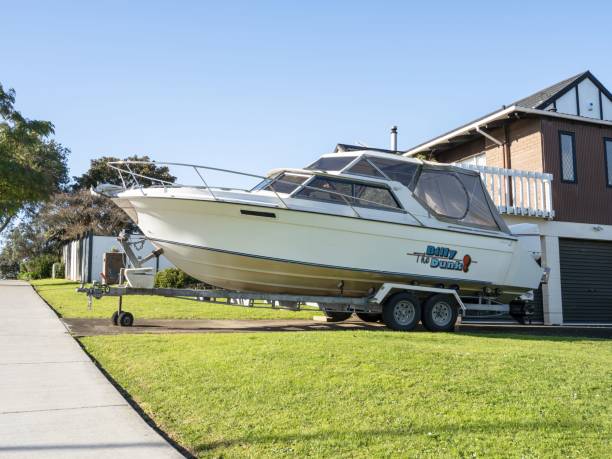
{"points": [[132, 180]]}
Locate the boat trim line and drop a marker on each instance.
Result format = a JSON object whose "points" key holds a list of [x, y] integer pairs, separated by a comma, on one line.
{"points": [[263, 257]]}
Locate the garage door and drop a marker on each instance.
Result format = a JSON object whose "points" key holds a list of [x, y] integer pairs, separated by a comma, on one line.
{"points": [[586, 280]]}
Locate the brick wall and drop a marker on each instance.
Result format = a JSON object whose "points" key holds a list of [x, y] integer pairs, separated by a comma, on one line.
{"points": [[525, 139], [525, 142]]}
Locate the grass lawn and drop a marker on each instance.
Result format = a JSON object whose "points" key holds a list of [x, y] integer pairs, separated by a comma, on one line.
{"points": [[369, 394], [62, 295]]}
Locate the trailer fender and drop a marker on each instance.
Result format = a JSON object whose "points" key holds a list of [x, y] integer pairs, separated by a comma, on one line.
{"points": [[389, 288]]}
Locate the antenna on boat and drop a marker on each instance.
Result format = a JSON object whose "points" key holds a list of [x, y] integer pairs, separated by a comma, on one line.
{"points": [[394, 138]]}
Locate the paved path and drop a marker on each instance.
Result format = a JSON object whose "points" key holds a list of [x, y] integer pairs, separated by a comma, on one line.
{"points": [[92, 327], [54, 402]]}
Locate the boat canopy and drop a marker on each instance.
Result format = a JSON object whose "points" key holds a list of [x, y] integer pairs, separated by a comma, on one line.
{"points": [[458, 196], [378, 166], [450, 193]]}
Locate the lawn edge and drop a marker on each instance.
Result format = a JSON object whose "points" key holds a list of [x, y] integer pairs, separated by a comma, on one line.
{"points": [[57, 313], [133, 404]]}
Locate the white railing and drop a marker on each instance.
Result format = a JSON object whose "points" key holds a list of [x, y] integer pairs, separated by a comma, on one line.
{"points": [[517, 192]]}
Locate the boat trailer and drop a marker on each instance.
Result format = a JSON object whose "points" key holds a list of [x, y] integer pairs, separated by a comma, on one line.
{"points": [[445, 302]]}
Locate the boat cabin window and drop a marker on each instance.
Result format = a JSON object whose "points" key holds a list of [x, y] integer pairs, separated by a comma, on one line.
{"points": [[345, 191], [399, 171], [365, 167], [286, 183], [459, 197], [331, 163]]}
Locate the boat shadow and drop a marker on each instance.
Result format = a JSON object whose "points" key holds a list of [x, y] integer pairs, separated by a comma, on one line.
{"points": [[308, 326]]}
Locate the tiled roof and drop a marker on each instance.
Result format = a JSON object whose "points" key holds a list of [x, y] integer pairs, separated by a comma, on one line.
{"points": [[537, 99]]}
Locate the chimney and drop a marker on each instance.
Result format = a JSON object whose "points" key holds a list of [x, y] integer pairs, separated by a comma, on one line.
{"points": [[394, 138]]}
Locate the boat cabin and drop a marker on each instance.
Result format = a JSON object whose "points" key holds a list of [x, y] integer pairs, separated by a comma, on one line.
{"points": [[390, 183]]}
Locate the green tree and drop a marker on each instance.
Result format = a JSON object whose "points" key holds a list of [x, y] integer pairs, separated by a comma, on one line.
{"points": [[100, 172], [32, 166], [68, 216], [25, 241]]}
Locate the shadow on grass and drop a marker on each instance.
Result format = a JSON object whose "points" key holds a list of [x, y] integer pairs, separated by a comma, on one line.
{"points": [[345, 436], [50, 286], [528, 332]]}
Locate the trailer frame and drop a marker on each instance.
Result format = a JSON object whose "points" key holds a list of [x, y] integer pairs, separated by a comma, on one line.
{"points": [[372, 304]]}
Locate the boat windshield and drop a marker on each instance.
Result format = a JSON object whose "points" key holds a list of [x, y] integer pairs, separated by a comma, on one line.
{"points": [[331, 163], [391, 169], [457, 197], [283, 183]]}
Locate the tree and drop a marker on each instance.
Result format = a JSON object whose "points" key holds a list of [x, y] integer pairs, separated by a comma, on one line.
{"points": [[26, 240], [68, 216], [100, 172], [32, 166]]}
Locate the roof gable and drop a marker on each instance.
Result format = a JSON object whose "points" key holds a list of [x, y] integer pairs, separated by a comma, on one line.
{"points": [[581, 97], [543, 99]]}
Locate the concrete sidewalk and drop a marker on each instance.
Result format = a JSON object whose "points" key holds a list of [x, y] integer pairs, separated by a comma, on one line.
{"points": [[54, 402]]}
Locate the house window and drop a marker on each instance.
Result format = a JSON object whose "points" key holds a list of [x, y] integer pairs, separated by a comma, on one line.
{"points": [[608, 153], [476, 160], [567, 149]]}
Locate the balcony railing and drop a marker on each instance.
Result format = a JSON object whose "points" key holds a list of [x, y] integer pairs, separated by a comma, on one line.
{"points": [[516, 192]]}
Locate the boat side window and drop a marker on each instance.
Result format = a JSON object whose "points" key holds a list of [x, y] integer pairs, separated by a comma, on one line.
{"points": [[443, 193], [331, 163], [364, 167], [479, 213], [399, 171], [286, 183], [456, 196], [357, 194], [373, 196]]}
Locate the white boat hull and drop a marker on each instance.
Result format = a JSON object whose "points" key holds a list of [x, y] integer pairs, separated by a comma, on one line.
{"points": [[256, 248]]}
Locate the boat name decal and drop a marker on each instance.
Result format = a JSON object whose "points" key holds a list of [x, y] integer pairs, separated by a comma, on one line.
{"points": [[443, 258]]}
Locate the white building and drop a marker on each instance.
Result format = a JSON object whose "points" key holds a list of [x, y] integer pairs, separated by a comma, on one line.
{"points": [[83, 257]]}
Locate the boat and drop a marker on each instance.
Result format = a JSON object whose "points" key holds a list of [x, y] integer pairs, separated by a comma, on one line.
{"points": [[343, 225]]}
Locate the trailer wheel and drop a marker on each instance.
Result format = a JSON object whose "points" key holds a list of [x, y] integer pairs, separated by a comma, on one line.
{"points": [[401, 312], [369, 317], [126, 319], [439, 313], [334, 316], [115, 318]]}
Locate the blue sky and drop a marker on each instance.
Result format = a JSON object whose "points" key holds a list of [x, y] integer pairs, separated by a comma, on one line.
{"points": [[257, 85]]}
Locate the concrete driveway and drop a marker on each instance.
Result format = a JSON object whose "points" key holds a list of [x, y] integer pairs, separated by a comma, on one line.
{"points": [[54, 402]]}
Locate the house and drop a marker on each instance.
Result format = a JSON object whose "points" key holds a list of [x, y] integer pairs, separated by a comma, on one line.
{"points": [[83, 257], [547, 159]]}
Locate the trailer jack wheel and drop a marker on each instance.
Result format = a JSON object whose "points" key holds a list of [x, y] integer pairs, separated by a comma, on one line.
{"points": [[369, 317], [126, 319], [115, 318], [337, 316]]}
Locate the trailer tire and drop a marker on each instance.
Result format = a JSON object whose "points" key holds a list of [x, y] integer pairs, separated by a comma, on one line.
{"points": [[369, 317], [126, 319], [334, 316], [439, 313], [401, 312]]}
